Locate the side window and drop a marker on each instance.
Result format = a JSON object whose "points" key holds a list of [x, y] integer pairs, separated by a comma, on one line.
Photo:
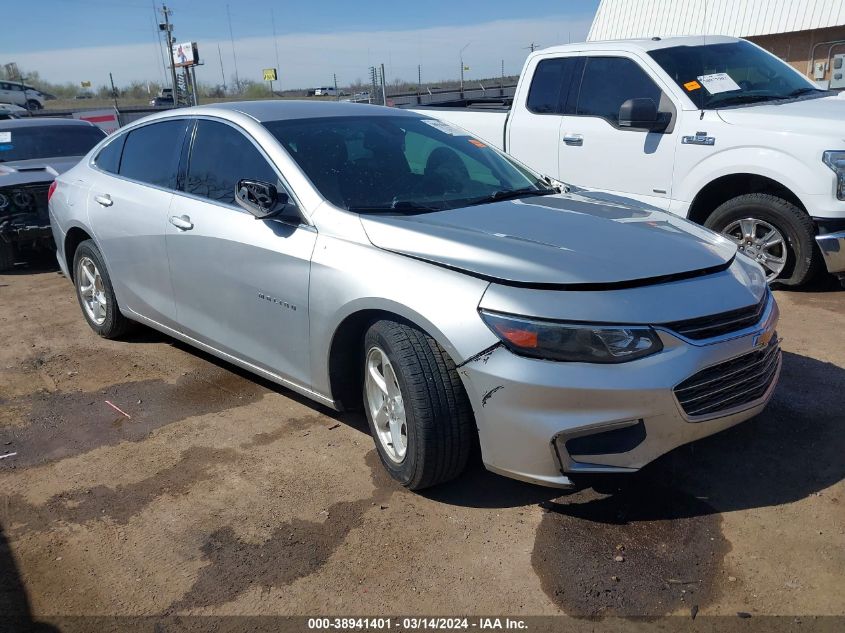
{"points": [[610, 81], [151, 153], [552, 79], [220, 157], [109, 157]]}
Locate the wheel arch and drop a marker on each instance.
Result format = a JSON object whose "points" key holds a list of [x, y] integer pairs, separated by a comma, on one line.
{"points": [[345, 349], [724, 188], [73, 238]]}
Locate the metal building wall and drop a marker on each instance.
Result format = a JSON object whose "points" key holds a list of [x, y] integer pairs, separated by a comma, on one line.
{"points": [[620, 19]]}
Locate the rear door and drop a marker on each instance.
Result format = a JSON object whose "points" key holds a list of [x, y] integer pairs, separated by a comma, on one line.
{"points": [[241, 284], [534, 130], [596, 153], [128, 205]]}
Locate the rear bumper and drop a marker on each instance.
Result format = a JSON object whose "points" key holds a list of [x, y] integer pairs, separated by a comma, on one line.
{"points": [[540, 421], [832, 247]]}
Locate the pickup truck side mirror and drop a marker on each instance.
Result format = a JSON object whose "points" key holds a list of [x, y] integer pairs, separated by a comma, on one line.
{"points": [[642, 114], [261, 199]]}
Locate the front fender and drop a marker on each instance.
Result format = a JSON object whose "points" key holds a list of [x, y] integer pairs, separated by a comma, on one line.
{"points": [[349, 277]]}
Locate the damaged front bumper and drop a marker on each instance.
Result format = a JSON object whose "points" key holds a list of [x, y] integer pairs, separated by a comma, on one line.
{"points": [[541, 421]]}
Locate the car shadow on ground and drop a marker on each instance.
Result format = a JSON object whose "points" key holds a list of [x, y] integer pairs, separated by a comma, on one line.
{"points": [[15, 611]]}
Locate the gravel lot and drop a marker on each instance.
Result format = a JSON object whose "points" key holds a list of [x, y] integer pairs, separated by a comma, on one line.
{"points": [[224, 494]]}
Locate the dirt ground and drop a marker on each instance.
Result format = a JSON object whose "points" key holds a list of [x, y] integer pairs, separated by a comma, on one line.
{"points": [[224, 494]]}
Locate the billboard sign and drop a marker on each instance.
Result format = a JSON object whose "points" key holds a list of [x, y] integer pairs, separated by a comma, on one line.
{"points": [[185, 54], [105, 119]]}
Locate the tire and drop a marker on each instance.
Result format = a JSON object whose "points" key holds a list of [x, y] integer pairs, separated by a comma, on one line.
{"points": [[106, 320], [7, 255], [439, 425], [32, 104], [799, 246]]}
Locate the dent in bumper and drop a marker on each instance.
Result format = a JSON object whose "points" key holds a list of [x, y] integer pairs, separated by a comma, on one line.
{"points": [[832, 247]]}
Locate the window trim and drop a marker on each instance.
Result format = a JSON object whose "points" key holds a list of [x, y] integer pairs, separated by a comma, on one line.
{"points": [[672, 112], [185, 158]]}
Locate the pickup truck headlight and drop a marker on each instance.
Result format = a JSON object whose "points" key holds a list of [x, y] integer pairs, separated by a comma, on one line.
{"points": [[836, 161], [574, 342]]}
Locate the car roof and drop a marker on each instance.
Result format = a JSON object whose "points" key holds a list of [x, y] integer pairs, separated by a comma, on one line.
{"points": [[42, 122], [276, 109], [642, 44]]}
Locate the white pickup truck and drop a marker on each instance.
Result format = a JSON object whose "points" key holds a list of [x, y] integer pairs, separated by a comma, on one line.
{"points": [[716, 130]]}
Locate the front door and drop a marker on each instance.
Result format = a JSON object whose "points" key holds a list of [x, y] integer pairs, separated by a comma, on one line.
{"points": [[596, 153], [241, 284]]}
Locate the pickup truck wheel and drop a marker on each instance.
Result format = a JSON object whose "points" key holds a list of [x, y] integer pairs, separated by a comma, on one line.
{"points": [[95, 293], [7, 255], [772, 231], [418, 412]]}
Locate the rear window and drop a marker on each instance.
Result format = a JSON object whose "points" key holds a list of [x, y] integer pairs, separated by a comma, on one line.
{"points": [[108, 159], [151, 153], [48, 141]]}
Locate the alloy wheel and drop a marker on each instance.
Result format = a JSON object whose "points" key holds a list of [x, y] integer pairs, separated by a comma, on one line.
{"points": [[386, 406], [762, 242], [89, 283]]}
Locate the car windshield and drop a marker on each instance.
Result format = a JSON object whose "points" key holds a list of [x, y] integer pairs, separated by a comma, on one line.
{"points": [[737, 73], [401, 163], [48, 141]]}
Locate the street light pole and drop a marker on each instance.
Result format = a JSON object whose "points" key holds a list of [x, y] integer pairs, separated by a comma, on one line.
{"points": [[462, 68]]}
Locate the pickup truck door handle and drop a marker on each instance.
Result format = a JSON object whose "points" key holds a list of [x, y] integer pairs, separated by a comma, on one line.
{"points": [[104, 200], [573, 139], [181, 222]]}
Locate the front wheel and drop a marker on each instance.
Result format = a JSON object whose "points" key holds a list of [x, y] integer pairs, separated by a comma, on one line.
{"points": [[32, 104], [416, 406], [772, 231]]}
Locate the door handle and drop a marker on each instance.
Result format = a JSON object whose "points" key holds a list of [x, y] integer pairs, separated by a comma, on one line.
{"points": [[181, 222], [573, 139], [104, 200]]}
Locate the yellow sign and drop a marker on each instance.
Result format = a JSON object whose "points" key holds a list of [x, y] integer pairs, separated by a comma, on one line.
{"points": [[270, 74], [85, 84], [692, 85]]}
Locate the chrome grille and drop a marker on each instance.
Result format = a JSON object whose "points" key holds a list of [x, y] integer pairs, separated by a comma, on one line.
{"points": [[731, 384], [722, 323]]}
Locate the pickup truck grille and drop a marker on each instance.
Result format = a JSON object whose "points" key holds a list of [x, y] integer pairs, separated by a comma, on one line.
{"points": [[736, 382], [722, 323]]}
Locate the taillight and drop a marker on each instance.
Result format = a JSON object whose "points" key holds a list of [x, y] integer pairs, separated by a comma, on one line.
{"points": [[51, 190]]}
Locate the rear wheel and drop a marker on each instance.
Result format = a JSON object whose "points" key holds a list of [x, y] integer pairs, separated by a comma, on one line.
{"points": [[418, 412], [95, 293], [772, 231], [32, 104]]}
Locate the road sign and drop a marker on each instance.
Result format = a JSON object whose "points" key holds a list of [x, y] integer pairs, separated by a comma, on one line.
{"points": [[270, 74], [85, 84]]}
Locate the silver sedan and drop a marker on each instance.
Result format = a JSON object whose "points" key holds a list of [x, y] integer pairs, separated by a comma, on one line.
{"points": [[372, 258]]}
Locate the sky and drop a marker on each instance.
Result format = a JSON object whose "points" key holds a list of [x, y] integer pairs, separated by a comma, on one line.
{"points": [[84, 40]]}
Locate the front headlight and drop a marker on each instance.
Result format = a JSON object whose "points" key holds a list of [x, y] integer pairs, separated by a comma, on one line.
{"points": [[574, 342], [835, 159]]}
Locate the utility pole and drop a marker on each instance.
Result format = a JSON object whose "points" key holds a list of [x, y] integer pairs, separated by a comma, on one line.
{"points": [[113, 91], [336, 95], [462, 68], [222, 74], [419, 81], [275, 42], [168, 35], [533, 47], [234, 56], [383, 90]]}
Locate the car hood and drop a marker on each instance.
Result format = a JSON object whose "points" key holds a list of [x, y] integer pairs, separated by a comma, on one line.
{"points": [[560, 240], [825, 116], [25, 171]]}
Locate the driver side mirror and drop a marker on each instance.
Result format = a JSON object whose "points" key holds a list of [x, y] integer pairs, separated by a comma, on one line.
{"points": [[642, 114], [261, 199]]}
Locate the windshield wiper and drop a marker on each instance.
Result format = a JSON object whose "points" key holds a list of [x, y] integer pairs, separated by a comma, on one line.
{"points": [[397, 206], [803, 91], [740, 99], [511, 194]]}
